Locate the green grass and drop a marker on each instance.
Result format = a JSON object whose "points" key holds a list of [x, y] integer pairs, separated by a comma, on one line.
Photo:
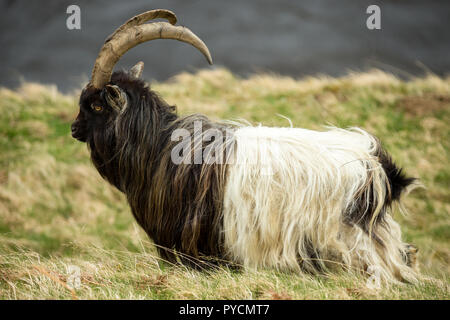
{"points": [[56, 212]]}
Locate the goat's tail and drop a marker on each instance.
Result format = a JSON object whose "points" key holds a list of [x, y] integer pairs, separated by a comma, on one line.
{"points": [[385, 183], [398, 181]]}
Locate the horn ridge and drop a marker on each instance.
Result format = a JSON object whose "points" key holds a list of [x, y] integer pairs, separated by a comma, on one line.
{"points": [[144, 17]]}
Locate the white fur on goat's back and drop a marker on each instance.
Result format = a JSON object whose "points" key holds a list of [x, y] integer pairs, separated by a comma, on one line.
{"points": [[286, 193]]}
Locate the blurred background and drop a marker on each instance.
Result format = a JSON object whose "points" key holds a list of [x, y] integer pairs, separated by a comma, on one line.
{"points": [[56, 212], [295, 38]]}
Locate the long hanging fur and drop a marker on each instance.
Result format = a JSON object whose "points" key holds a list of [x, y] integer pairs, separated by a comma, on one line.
{"points": [[286, 198], [178, 205]]}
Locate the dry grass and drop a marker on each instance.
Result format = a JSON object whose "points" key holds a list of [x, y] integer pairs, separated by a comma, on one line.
{"points": [[56, 212]]}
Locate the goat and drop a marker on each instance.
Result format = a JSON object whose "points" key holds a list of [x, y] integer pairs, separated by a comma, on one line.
{"points": [[285, 198]]}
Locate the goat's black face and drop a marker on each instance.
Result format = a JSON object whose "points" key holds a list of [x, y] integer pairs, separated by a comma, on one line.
{"points": [[118, 120], [98, 110]]}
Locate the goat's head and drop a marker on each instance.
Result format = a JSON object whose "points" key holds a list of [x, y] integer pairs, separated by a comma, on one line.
{"points": [[108, 95]]}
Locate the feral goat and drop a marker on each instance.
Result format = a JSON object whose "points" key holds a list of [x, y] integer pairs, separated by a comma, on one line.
{"points": [[206, 192]]}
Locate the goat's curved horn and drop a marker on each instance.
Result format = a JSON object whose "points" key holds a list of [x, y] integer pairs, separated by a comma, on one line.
{"points": [[146, 16], [134, 32]]}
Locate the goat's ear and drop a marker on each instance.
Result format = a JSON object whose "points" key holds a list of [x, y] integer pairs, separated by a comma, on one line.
{"points": [[136, 71], [116, 97]]}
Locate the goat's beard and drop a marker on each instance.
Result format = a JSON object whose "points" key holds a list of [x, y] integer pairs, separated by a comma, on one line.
{"points": [[102, 145]]}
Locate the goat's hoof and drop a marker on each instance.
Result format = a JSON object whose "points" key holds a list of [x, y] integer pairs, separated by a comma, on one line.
{"points": [[411, 256]]}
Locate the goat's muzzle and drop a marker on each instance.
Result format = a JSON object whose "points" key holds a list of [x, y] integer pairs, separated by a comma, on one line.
{"points": [[78, 131]]}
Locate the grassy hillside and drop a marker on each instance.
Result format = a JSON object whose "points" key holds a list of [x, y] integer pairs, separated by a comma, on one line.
{"points": [[56, 212]]}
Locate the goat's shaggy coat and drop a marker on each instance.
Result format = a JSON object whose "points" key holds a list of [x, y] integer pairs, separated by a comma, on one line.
{"points": [[298, 198], [287, 198]]}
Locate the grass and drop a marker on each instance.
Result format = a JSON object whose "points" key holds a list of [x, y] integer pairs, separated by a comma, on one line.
{"points": [[56, 212]]}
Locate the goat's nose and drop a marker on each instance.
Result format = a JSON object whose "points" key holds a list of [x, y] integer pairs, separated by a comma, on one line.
{"points": [[74, 129]]}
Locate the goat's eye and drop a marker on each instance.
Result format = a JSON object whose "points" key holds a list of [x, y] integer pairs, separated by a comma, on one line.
{"points": [[97, 108]]}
